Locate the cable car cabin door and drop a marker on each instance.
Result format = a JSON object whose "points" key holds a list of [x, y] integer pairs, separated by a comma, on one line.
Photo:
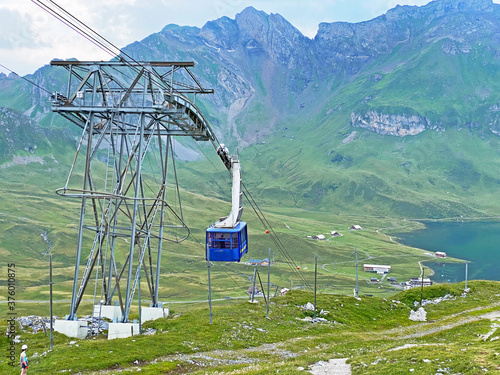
{"points": [[226, 244]]}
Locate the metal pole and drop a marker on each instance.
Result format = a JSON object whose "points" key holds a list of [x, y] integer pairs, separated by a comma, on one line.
{"points": [[50, 284], [162, 220], [262, 288], [209, 286], [268, 281], [253, 286], [315, 282], [357, 284], [68, 95], [140, 312], [119, 183], [466, 273], [138, 177], [172, 80], [422, 286], [99, 319], [72, 315]]}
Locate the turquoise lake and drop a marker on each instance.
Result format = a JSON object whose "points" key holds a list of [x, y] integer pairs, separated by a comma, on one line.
{"points": [[478, 243]]}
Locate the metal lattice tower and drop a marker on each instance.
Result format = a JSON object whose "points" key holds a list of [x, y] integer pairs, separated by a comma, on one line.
{"points": [[129, 112]]}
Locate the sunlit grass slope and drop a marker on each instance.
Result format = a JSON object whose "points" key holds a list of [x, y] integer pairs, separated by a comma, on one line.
{"points": [[374, 334]]}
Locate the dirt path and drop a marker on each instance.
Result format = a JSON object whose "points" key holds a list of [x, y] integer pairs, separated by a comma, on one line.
{"points": [[390, 237], [337, 366], [340, 367], [431, 330], [424, 329], [334, 366]]}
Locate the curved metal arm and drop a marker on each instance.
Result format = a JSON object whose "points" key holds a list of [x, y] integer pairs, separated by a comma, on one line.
{"points": [[237, 202]]}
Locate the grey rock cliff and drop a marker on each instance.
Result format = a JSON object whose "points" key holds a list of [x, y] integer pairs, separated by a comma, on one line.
{"points": [[390, 124]]}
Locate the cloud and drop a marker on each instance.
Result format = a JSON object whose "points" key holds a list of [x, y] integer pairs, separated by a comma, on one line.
{"points": [[16, 30]]}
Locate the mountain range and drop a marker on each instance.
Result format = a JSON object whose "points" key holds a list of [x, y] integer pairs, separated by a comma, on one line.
{"points": [[398, 115]]}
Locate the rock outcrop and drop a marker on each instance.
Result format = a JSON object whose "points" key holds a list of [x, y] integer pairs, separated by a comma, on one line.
{"points": [[389, 124]]}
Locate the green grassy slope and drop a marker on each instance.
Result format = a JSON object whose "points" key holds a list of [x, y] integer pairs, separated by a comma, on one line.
{"points": [[431, 175], [29, 212], [374, 334]]}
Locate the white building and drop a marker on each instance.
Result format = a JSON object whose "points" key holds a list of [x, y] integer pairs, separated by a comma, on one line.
{"points": [[417, 281], [378, 268]]}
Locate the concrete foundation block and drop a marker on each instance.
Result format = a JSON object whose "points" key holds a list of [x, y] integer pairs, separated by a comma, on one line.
{"points": [[72, 328], [153, 313], [108, 312], [122, 330]]}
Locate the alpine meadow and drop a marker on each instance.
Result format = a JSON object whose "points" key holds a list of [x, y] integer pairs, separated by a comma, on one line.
{"points": [[386, 124]]}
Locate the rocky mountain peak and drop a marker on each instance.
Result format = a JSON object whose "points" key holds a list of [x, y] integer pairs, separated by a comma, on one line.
{"points": [[440, 7], [462, 5], [252, 22], [255, 31], [266, 28], [221, 32]]}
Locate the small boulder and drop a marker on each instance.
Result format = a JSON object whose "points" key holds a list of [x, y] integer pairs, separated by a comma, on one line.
{"points": [[418, 316]]}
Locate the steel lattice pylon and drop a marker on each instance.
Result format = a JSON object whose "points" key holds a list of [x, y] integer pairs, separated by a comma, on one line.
{"points": [[129, 112]]}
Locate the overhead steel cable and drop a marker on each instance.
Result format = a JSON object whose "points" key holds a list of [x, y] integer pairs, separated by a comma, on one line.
{"points": [[337, 273], [27, 80], [101, 42], [94, 37], [80, 27], [87, 27], [72, 26], [274, 237], [265, 223]]}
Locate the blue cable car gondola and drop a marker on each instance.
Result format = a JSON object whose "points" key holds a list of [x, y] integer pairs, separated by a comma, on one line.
{"points": [[227, 244]]}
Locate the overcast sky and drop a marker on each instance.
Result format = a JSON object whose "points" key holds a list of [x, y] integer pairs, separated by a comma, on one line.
{"points": [[30, 37]]}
